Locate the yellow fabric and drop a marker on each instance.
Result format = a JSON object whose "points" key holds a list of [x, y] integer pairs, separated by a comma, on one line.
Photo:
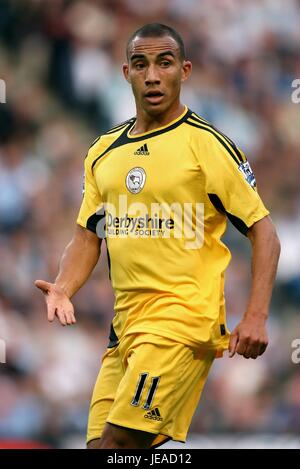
{"points": [[162, 285], [180, 371]]}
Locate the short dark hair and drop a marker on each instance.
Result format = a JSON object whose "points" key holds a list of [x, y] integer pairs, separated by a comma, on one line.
{"points": [[157, 30]]}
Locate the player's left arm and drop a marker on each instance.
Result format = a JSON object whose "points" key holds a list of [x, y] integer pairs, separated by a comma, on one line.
{"points": [[250, 338]]}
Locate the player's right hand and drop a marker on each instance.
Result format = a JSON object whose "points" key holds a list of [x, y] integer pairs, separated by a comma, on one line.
{"points": [[58, 303]]}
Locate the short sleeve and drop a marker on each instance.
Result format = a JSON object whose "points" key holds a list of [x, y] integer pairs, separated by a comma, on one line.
{"points": [[231, 185], [89, 215]]}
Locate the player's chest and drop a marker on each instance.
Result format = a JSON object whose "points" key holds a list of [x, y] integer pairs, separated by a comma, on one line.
{"points": [[150, 168]]}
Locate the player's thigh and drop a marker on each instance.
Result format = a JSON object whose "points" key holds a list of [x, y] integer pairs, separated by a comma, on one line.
{"points": [[115, 436], [104, 392], [157, 378]]}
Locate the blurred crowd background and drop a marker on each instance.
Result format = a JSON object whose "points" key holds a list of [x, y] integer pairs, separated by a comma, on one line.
{"points": [[61, 61]]}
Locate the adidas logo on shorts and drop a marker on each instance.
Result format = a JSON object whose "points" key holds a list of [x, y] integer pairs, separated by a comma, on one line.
{"points": [[153, 414], [143, 151]]}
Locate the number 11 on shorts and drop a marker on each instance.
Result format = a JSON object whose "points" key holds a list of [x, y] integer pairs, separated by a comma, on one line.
{"points": [[139, 389]]}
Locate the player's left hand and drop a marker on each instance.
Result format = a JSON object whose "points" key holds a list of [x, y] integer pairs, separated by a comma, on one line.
{"points": [[249, 338]]}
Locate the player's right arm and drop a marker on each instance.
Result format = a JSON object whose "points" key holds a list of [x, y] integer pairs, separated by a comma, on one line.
{"points": [[80, 255], [77, 262]]}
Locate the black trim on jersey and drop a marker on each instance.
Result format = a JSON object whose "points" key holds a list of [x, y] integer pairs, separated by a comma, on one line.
{"points": [[233, 145], [123, 139], [118, 127], [108, 260], [93, 220], [215, 133], [95, 141], [91, 225], [113, 338], [112, 130], [168, 438], [236, 221]]}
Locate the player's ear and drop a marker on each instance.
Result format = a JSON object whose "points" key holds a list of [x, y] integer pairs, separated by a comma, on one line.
{"points": [[126, 72], [186, 70]]}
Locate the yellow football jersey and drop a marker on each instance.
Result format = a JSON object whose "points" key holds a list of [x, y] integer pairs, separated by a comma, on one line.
{"points": [[161, 200]]}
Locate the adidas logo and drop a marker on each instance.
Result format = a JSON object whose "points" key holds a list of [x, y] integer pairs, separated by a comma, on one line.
{"points": [[153, 414], [143, 151]]}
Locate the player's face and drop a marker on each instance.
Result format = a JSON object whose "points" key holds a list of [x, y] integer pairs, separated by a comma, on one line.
{"points": [[155, 72]]}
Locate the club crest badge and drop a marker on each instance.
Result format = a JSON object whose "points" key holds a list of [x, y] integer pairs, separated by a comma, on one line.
{"points": [[135, 180]]}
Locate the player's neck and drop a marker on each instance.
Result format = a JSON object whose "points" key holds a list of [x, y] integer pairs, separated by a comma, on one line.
{"points": [[146, 122]]}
